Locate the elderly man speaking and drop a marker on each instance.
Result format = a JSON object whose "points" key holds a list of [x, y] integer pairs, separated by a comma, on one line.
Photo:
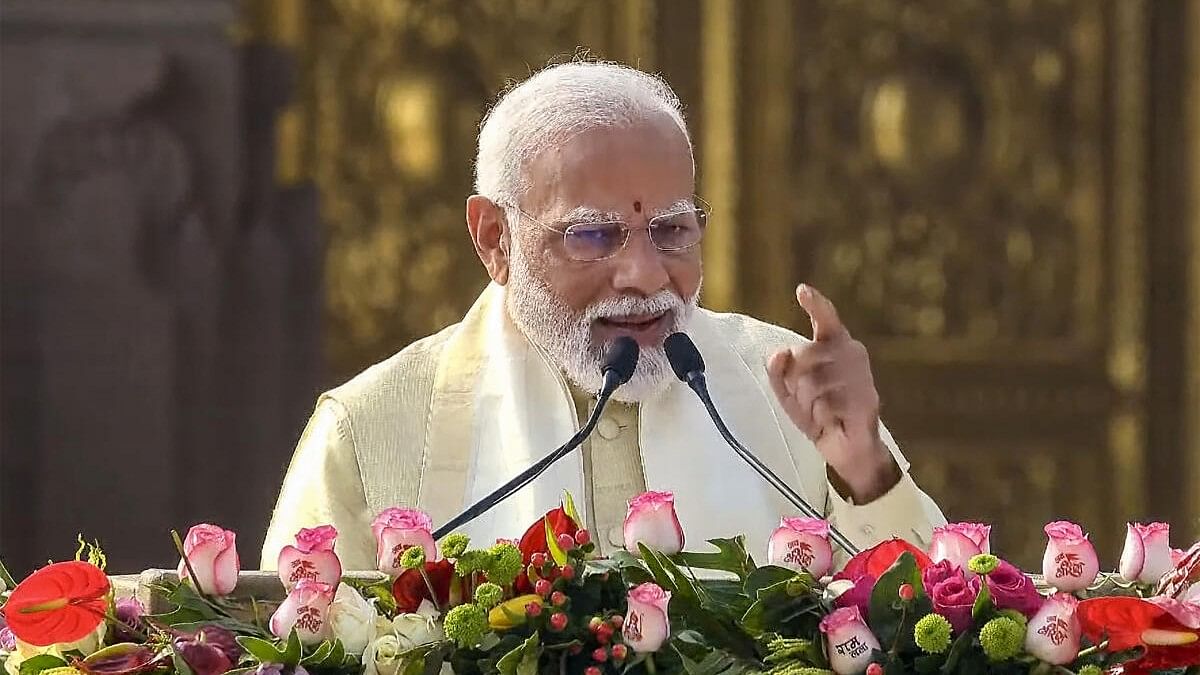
{"points": [[587, 223]]}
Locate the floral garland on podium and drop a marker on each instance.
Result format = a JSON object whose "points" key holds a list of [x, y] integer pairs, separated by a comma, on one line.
{"points": [[548, 604]]}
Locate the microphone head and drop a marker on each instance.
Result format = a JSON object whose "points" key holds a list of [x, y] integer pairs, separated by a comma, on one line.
{"points": [[622, 358], [684, 357]]}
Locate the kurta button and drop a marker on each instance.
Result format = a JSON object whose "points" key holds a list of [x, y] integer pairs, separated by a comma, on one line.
{"points": [[616, 535], [868, 530], [608, 428]]}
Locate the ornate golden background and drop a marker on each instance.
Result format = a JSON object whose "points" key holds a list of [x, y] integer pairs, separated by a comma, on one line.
{"points": [[968, 180]]}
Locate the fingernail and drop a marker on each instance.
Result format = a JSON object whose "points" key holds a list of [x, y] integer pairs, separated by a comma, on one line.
{"points": [[804, 290]]}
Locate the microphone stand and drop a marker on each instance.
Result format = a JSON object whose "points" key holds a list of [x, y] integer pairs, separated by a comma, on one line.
{"points": [[696, 381], [612, 380]]}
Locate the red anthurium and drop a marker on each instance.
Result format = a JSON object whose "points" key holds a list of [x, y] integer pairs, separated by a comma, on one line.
{"points": [[62, 602], [1128, 622], [534, 541], [879, 558]]}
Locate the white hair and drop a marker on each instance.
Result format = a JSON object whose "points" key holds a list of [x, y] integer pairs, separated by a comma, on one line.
{"points": [[555, 105]]}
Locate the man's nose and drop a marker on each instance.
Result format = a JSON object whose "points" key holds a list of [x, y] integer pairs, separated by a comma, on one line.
{"points": [[639, 266]]}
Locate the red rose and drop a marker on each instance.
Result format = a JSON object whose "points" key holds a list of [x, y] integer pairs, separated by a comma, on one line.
{"points": [[409, 588]]}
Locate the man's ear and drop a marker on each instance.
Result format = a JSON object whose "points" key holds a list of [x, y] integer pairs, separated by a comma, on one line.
{"points": [[490, 234]]}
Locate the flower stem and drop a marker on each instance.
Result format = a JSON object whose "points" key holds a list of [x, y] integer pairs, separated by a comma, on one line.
{"points": [[1093, 649], [650, 667], [191, 572], [429, 585]]}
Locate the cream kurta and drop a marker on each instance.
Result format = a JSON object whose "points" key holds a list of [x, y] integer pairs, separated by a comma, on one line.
{"points": [[453, 416]]}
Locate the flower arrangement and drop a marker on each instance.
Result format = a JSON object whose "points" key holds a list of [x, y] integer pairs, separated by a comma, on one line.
{"points": [[548, 603]]}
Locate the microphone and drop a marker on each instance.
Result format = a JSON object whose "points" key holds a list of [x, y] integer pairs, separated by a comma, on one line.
{"points": [[619, 364], [688, 365]]}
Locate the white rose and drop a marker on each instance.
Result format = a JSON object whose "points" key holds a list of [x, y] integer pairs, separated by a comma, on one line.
{"points": [[382, 656], [24, 651], [418, 629], [352, 619]]}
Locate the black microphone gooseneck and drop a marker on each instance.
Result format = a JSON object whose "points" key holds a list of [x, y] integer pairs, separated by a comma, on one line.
{"points": [[619, 364], [689, 367]]}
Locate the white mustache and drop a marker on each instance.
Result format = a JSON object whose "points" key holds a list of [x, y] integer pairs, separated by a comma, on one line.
{"points": [[627, 305]]}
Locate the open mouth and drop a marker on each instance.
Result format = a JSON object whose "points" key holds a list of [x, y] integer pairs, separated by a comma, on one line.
{"points": [[645, 328]]}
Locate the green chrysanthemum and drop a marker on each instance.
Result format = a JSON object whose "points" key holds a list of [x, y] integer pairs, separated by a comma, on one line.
{"points": [[1002, 638], [984, 563], [454, 544], [466, 625], [471, 561], [798, 669], [1015, 616], [1090, 669], [412, 558], [488, 595], [505, 565], [786, 649], [932, 633]]}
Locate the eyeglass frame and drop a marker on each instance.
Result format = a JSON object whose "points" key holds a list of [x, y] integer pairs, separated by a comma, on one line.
{"points": [[698, 205]]}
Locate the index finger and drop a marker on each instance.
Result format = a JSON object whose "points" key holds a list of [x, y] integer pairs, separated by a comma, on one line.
{"points": [[821, 312]]}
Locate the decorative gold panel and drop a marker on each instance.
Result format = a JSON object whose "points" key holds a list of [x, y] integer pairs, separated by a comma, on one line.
{"points": [[391, 95]]}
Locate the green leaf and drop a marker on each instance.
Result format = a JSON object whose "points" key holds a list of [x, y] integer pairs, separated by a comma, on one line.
{"points": [[559, 556], [6, 577], [294, 650], [764, 577], [322, 652], [957, 650], [264, 651], [523, 660], [337, 656], [568, 504], [731, 556], [37, 664], [982, 610], [887, 616]]}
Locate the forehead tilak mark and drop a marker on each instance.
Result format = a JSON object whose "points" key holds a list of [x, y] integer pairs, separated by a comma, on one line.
{"points": [[637, 207]]}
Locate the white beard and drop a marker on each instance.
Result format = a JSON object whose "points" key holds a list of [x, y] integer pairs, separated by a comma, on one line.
{"points": [[565, 335]]}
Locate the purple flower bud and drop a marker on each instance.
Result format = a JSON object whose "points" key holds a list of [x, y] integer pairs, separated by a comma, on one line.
{"points": [[129, 612], [212, 650], [8, 641], [269, 669]]}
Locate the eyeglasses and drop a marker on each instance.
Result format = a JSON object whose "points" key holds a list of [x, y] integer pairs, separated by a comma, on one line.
{"points": [[592, 241]]}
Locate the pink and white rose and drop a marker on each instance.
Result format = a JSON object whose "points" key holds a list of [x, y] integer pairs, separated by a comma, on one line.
{"points": [[212, 552], [306, 609], [652, 521], [959, 542], [1147, 554], [398, 529], [802, 545], [1052, 635], [848, 641], [1070, 563], [646, 627], [311, 558]]}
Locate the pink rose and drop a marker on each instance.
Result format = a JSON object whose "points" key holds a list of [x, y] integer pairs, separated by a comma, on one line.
{"points": [[646, 626], [951, 595], [212, 552], [1011, 588], [959, 542], [652, 521], [311, 558], [306, 609], [1052, 635], [848, 641], [1070, 563], [802, 545], [1147, 554], [396, 530]]}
